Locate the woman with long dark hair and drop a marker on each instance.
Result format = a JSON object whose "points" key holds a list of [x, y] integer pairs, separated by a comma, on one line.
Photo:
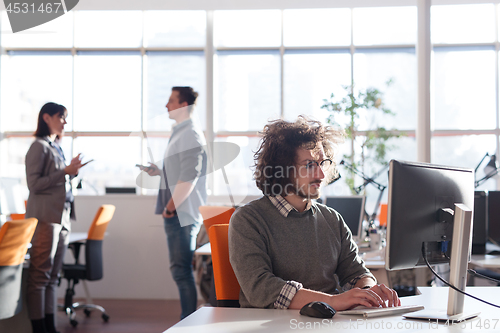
{"points": [[50, 201]]}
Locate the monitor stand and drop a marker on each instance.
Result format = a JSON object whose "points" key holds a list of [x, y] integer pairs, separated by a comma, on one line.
{"points": [[460, 250]]}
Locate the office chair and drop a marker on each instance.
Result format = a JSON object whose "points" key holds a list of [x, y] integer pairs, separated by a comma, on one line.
{"points": [[382, 217], [92, 269], [211, 215], [215, 215], [14, 239], [227, 288]]}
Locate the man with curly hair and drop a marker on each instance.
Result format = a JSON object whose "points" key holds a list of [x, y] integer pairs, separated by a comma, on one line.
{"points": [[287, 250]]}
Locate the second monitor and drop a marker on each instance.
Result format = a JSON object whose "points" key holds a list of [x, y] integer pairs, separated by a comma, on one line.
{"points": [[352, 209]]}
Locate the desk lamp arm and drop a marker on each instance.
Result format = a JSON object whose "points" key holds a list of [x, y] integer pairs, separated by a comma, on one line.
{"points": [[367, 180], [480, 162], [485, 178]]}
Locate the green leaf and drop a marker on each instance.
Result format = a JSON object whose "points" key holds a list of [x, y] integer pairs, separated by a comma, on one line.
{"points": [[355, 103]]}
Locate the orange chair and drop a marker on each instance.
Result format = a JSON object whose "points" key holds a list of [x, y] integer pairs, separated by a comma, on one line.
{"points": [[383, 215], [227, 288], [211, 215], [92, 270], [17, 216], [14, 239], [215, 215]]}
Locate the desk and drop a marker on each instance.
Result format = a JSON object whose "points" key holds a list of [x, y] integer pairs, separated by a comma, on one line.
{"points": [[204, 250], [77, 237], [486, 261], [222, 320]]}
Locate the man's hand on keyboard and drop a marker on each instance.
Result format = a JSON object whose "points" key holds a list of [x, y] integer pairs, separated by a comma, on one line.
{"points": [[354, 297], [376, 296], [387, 294]]}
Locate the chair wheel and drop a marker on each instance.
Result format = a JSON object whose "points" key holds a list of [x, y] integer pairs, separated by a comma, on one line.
{"points": [[105, 317], [87, 312], [73, 322]]}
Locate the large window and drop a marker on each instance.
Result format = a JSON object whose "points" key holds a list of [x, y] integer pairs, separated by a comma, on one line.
{"points": [[318, 52], [247, 28], [374, 68], [248, 90], [163, 70], [464, 86], [107, 93], [317, 27], [113, 70], [310, 76], [28, 80], [460, 91]]}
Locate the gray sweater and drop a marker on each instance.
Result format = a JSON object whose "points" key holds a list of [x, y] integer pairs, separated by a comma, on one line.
{"points": [[266, 250]]}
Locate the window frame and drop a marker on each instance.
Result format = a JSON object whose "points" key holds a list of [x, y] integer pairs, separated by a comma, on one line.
{"points": [[210, 51]]}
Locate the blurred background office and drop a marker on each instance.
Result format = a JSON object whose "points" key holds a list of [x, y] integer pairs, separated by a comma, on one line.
{"points": [[250, 61]]}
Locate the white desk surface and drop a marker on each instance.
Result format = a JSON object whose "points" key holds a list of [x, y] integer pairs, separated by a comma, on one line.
{"points": [[77, 236], [486, 261], [231, 320], [204, 250]]}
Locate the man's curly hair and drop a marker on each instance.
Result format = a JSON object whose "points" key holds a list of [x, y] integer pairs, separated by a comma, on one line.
{"points": [[278, 151]]}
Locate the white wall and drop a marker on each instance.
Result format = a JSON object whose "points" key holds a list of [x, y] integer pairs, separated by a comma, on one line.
{"points": [[135, 249]]}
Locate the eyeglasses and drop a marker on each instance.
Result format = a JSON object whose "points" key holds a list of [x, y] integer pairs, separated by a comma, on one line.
{"points": [[324, 165]]}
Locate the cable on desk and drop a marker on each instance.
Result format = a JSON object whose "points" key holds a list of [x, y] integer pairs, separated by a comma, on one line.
{"points": [[473, 272], [424, 254]]}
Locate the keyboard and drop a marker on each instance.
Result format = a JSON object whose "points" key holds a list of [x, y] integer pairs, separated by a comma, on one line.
{"points": [[379, 312]]}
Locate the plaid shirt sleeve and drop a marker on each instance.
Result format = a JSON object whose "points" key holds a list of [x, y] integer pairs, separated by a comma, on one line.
{"points": [[286, 294], [353, 282]]}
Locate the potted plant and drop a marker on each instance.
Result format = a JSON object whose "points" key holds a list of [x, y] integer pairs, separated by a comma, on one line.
{"points": [[368, 147]]}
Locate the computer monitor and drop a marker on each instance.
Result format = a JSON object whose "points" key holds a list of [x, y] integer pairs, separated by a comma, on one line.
{"points": [[352, 210], [120, 190], [422, 200], [480, 223], [494, 216]]}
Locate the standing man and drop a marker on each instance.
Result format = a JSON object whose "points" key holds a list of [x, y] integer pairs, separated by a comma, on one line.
{"points": [[287, 250], [182, 191]]}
